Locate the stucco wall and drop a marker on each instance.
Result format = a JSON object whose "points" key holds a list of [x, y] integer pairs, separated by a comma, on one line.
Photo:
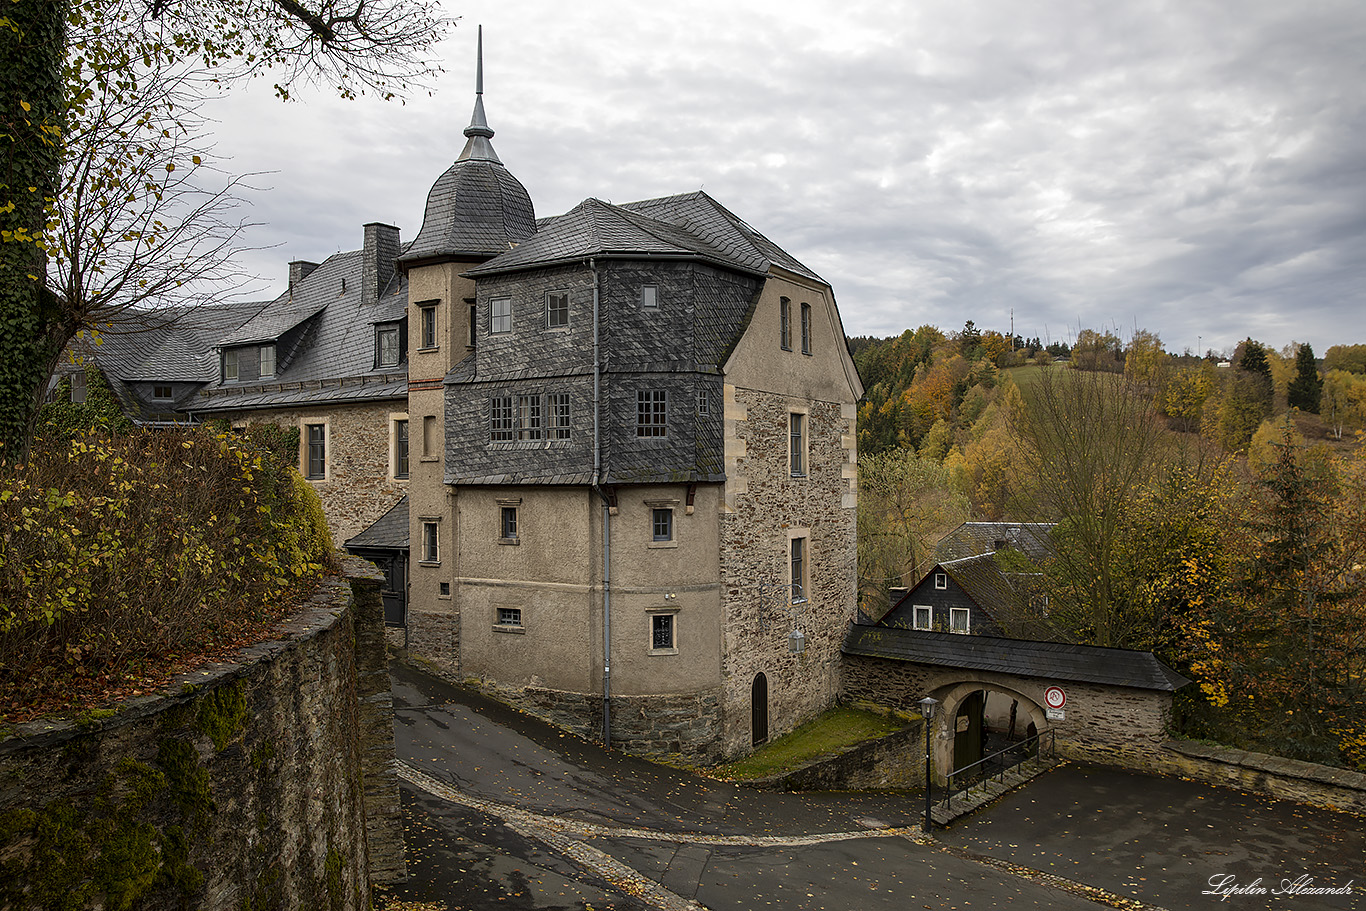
{"points": [[241, 786]]}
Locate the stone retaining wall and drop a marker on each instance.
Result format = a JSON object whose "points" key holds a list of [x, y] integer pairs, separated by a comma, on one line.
{"points": [[248, 784], [894, 761], [1307, 782]]}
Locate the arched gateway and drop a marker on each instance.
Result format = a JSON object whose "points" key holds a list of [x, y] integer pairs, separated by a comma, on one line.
{"points": [[1100, 702]]}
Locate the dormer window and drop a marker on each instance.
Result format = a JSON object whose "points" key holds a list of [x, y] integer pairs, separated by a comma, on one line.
{"points": [[229, 366], [388, 345], [162, 392], [267, 360]]}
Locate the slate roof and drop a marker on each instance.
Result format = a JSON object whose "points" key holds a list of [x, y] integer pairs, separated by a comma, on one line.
{"points": [[332, 359], [973, 538], [1025, 658], [476, 208], [691, 225], [982, 580], [167, 346], [388, 532]]}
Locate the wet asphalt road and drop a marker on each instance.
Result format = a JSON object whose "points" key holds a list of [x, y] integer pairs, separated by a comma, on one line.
{"points": [[533, 818]]}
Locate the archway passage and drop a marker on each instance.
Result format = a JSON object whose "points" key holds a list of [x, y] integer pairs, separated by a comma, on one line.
{"points": [[759, 709]]}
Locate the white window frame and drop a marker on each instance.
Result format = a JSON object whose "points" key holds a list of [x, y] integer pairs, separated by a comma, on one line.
{"points": [[928, 623], [431, 541], [263, 360], [556, 317], [955, 613], [941, 581], [670, 618], [230, 367], [500, 315]]}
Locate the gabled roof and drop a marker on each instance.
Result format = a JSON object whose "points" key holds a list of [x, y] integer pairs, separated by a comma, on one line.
{"points": [[973, 538], [388, 532], [1022, 657], [981, 579], [165, 346]]}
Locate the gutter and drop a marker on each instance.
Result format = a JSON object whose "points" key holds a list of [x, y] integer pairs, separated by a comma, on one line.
{"points": [[606, 514]]}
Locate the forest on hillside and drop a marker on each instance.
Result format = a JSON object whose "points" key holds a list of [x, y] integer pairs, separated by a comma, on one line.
{"points": [[1211, 510]]}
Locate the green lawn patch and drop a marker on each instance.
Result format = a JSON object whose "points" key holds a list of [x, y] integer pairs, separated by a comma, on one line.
{"points": [[825, 736]]}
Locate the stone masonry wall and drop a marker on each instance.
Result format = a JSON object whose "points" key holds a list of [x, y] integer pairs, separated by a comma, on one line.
{"points": [[358, 489], [1307, 782], [894, 761], [765, 507], [241, 786]]}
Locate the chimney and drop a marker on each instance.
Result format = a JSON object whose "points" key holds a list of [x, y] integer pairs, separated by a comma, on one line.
{"points": [[298, 271], [895, 594], [381, 252]]}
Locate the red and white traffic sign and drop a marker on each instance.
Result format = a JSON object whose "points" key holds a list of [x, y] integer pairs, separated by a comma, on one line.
{"points": [[1054, 697]]}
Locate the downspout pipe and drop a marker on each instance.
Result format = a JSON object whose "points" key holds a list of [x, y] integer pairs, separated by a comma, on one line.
{"points": [[606, 514]]}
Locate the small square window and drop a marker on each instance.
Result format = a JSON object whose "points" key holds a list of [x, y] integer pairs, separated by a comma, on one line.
{"points": [[500, 315], [958, 619], [509, 616], [785, 323], [806, 328], [229, 366], [557, 309], [652, 413], [663, 633], [267, 360], [507, 524], [444, 589], [162, 392], [388, 348], [941, 581], [662, 523], [649, 297], [428, 327], [924, 617], [431, 542], [559, 416]]}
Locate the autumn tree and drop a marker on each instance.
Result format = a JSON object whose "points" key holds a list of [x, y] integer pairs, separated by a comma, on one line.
{"points": [[1183, 399], [62, 60], [1306, 389], [1145, 363], [1351, 358], [1343, 404], [1097, 351]]}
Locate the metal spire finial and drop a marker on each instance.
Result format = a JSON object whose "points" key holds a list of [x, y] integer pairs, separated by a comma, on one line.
{"points": [[478, 147]]}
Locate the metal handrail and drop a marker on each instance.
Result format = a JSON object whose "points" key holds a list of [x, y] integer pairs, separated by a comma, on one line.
{"points": [[951, 792]]}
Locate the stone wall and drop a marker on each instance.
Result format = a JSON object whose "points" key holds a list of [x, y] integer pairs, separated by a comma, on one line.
{"points": [[894, 761], [1291, 779], [241, 786]]}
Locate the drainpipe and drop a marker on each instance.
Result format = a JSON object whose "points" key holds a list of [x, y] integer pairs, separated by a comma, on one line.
{"points": [[606, 518]]}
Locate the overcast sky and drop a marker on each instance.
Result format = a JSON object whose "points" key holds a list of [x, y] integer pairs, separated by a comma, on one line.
{"points": [[1194, 168]]}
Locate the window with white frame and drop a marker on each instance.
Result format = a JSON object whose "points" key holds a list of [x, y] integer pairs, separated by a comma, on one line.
{"points": [[501, 428], [796, 438], [427, 326], [507, 524], [652, 413], [229, 366], [924, 617], [958, 620], [557, 309], [941, 581], [806, 328], [664, 633], [798, 549], [388, 345], [500, 315], [785, 323], [431, 541], [649, 297], [267, 353], [315, 451], [529, 426], [559, 416]]}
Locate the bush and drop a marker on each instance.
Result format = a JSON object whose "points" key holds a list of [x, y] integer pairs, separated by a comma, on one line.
{"points": [[120, 556]]}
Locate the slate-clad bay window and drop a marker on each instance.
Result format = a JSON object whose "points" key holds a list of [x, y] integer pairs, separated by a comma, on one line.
{"points": [[315, 437], [229, 366], [528, 417], [652, 413], [557, 309], [267, 360], [500, 315], [388, 345], [559, 416], [806, 328], [500, 419], [785, 323]]}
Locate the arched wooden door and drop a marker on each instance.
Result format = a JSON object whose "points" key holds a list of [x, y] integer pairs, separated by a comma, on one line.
{"points": [[758, 706]]}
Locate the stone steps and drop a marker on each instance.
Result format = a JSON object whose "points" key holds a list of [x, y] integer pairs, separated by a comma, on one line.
{"points": [[965, 802]]}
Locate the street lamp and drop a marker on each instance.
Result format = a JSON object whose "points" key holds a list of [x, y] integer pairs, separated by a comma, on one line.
{"points": [[927, 707]]}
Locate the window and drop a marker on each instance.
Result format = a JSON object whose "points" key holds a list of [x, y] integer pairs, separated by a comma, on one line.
{"points": [[785, 323], [528, 417], [649, 297], [663, 634], [510, 616], [387, 346], [267, 360], [162, 392], [652, 411], [78, 388], [941, 581], [806, 328], [559, 416], [315, 435], [500, 419], [500, 315], [703, 403], [798, 569], [474, 321], [428, 326], [924, 617], [662, 523], [431, 542], [958, 620], [507, 524], [557, 309], [444, 590], [796, 432], [229, 366], [401, 448]]}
